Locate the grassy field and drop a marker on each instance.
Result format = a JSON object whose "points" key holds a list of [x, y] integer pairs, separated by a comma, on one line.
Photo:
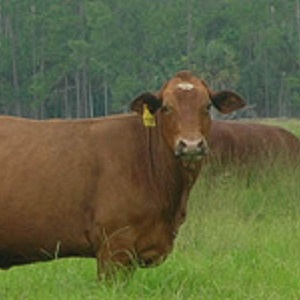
{"points": [[241, 240], [292, 125]]}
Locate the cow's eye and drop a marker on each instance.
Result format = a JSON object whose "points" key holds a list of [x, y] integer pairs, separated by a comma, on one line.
{"points": [[166, 109]]}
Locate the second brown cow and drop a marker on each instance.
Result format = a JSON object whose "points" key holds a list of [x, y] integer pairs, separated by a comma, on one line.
{"points": [[247, 143]]}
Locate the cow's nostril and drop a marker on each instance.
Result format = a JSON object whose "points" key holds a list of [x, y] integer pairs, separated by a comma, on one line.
{"points": [[202, 147], [181, 147], [200, 144], [182, 144]]}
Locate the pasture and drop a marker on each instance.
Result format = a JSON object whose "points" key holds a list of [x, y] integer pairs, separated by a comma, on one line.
{"points": [[241, 240], [292, 125]]}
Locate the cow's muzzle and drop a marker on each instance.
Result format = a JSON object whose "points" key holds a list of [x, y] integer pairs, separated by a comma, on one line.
{"points": [[192, 149]]}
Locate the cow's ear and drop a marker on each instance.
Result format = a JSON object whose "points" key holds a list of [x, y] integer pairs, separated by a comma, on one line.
{"points": [[153, 103], [227, 101]]}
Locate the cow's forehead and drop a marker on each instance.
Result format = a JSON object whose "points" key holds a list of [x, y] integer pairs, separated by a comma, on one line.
{"points": [[178, 86], [184, 81], [185, 86]]}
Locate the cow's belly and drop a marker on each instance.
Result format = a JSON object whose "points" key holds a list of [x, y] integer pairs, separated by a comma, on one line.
{"points": [[42, 222], [25, 239], [20, 254]]}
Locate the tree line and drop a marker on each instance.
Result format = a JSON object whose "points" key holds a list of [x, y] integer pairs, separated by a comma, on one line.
{"points": [[86, 58]]}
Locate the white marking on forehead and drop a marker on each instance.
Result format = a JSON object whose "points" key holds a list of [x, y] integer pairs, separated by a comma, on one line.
{"points": [[186, 86]]}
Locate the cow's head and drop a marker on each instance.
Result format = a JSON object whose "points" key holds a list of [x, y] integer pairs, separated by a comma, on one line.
{"points": [[183, 106]]}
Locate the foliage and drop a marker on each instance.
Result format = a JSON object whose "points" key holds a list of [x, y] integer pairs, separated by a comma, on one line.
{"points": [[63, 58]]}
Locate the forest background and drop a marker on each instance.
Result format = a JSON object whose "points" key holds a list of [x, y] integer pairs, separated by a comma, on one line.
{"points": [[85, 58]]}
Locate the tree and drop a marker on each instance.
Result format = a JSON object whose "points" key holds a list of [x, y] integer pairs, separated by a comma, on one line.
{"points": [[84, 58]]}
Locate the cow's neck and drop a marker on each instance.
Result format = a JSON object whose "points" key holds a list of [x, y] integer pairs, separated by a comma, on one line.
{"points": [[171, 177], [166, 172]]}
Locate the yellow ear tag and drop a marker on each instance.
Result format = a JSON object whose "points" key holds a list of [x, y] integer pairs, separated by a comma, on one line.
{"points": [[148, 117]]}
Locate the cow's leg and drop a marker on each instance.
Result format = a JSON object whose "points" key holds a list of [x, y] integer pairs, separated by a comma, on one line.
{"points": [[115, 254], [114, 265]]}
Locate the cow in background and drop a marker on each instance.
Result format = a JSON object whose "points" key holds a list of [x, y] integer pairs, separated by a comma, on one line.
{"points": [[114, 188], [249, 144]]}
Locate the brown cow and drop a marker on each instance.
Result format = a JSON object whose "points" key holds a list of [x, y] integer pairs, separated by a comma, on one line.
{"points": [[111, 188], [244, 143]]}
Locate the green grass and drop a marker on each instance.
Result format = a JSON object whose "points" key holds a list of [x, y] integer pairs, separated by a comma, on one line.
{"points": [[241, 240], [292, 125]]}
